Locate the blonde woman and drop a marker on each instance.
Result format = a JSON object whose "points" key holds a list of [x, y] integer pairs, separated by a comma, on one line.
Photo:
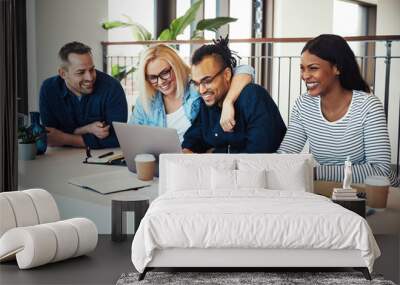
{"points": [[166, 97]]}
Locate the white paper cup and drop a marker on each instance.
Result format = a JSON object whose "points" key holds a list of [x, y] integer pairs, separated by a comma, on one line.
{"points": [[377, 189], [145, 165]]}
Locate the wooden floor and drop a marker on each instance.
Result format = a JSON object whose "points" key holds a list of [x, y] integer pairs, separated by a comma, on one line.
{"points": [[102, 266]]}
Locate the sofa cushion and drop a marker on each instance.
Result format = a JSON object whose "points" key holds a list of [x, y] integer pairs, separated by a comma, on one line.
{"points": [[7, 215], [31, 233], [23, 208], [40, 244], [27, 208], [45, 205]]}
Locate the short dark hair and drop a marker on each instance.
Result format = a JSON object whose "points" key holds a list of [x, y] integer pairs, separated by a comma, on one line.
{"points": [[220, 50], [336, 50], [73, 47]]}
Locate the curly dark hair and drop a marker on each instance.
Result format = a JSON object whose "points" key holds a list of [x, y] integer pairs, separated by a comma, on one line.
{"points": [[73, 47], [220, 50], [336, 50]]}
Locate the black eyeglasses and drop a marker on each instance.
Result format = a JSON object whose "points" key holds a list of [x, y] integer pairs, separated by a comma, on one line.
{"points": [[206, 82], [164, 75]]}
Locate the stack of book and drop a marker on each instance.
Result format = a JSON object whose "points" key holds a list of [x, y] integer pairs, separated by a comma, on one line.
{"points": [[344, 194]]}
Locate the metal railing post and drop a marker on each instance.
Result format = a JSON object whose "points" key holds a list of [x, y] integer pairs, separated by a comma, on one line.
{"points": [[398, 145], [104, 56], [387, 76], [289, 86]]}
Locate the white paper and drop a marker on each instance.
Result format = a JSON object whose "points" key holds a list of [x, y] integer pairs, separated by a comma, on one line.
{"points": [[110, 181]]}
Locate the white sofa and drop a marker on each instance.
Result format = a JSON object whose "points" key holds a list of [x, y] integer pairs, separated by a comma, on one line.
{"points": [[31, 231], [267, 198]]}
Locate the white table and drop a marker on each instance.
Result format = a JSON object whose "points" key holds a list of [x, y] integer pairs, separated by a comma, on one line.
{"points": [[52, 171]]}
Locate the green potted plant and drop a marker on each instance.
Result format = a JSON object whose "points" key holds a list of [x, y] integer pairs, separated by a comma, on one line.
{"points": [[176, 28], [27, 143]]}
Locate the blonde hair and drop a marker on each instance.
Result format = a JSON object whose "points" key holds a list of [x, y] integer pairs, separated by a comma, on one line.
{"points": [[179, 67]]}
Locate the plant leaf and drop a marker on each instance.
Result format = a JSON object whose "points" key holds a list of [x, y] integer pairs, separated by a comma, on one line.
{"points": [[179, 24], [119, 72], [214, 24], [114, 24], [26, 135], [197, 35], [139, 32], [132, 69], [165, 35]]}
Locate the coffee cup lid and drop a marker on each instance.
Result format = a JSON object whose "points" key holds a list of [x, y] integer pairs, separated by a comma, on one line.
{"points": [[377, 181], [144, 157]]}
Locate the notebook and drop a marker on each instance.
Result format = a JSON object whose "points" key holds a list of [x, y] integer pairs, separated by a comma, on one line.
{"points": [[110, 182]]}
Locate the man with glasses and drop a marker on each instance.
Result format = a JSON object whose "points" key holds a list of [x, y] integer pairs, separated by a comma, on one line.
{"points": [[78, 105], [259, 127]]}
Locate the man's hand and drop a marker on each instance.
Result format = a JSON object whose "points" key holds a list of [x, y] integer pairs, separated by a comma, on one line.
{"points": [[227, 120], [100, 130], [187, 151], [55, 137], [96, 128]]}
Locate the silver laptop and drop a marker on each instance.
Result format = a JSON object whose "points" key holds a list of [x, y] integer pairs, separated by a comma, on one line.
{"points": [[137, 139]]}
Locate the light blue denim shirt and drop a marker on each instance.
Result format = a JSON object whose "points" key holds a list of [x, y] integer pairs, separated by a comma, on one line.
{"points": [[191, 104]]}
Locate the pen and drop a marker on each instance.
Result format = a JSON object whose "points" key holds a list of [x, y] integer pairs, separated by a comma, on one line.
{"points": [[88, 152], [106, 154]]}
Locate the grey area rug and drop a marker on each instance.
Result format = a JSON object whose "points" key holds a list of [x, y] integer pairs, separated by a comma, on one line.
{"points": [[229, 278]]}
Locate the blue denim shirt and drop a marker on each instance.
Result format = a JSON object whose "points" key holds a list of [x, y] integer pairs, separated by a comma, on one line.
{"points": [[61, 109], [191, 104]]}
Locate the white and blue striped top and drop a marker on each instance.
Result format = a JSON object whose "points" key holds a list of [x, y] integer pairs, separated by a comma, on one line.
{"points": [[361, 134]]}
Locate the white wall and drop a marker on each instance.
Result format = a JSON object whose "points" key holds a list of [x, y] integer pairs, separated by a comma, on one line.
{"points": [[355, 17], [388, 23], [139, 11], [51, 24], [306, 18]]}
